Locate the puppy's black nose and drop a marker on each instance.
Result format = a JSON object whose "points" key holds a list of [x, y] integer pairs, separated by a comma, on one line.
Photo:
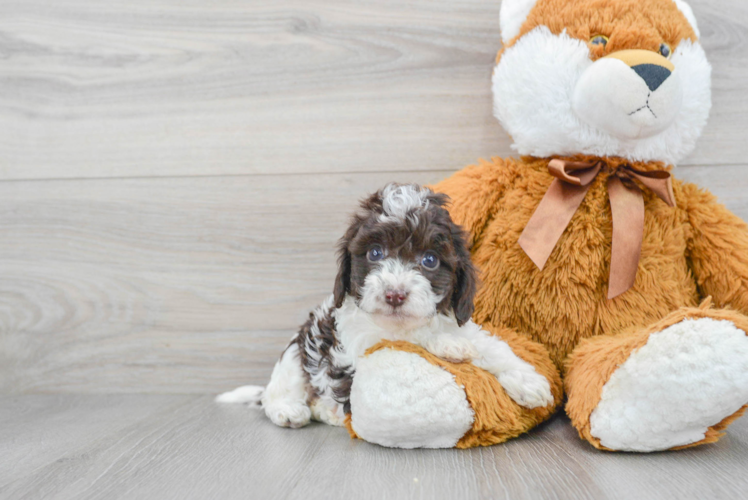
{"points": [[653, 74], [395, 298]]}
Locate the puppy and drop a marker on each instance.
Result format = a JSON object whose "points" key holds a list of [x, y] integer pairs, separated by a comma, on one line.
{"points": [[404, 274]]}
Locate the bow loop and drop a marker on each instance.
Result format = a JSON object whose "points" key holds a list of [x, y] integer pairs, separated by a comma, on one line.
{"points": [[584, 172], [660, 182], [566, 193]]}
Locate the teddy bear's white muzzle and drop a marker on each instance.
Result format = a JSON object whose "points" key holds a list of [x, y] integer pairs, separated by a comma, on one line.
{"points": [[628, 102]]}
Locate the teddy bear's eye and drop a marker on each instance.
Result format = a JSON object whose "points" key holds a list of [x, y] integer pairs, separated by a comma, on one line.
{"points": [[599, 40], [665, 50]]}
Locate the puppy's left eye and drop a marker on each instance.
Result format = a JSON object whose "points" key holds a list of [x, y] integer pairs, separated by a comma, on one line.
{"points": [[430, 260], [665, 50], [375, 253]]}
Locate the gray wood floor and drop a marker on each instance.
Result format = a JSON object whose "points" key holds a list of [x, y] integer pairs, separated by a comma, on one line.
{"points": [[187, 447], [173, 177]]}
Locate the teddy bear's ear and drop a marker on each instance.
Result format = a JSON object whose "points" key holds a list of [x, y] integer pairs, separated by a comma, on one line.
{"points": [[686, 10], [512, 16]]}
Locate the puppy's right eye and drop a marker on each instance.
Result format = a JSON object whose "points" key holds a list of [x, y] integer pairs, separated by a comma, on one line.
{"points": [[430, 261], [375, 253]]}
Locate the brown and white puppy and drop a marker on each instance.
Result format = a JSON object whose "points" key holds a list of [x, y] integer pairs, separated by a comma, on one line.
{"points": [[404, 274]]}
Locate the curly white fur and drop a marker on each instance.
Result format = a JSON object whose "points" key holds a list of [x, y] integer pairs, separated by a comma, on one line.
{"points": [[441, 336], [534, 85], [686, 379]]}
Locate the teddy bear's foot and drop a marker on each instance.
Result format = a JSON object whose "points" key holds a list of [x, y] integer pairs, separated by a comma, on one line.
{"points": [[406, 397], [678, 387], [401, 400]]}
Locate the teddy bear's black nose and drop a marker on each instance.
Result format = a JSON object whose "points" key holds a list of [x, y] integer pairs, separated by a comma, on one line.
{"points": [[652, 74]]}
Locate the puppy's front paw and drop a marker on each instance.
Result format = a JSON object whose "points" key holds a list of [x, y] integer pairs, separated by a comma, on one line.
{"points": [[453, 349], [527, 388], [328, 412], [288, 413]]}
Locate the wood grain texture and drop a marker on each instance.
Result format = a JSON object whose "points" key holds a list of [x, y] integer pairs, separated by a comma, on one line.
{"points": [[173, 177], [172, 88], [182, 447], [164, 285], [186, 285]]}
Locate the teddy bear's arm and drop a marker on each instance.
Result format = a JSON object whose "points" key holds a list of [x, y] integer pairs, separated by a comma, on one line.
{"points": [[475, 192], [717, 248]]}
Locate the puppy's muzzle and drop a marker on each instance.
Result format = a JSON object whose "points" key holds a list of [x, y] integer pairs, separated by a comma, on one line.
{"points": [[395, 298]]}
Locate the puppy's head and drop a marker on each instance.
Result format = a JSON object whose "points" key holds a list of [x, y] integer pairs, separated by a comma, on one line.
{"points": [[403, 260]]}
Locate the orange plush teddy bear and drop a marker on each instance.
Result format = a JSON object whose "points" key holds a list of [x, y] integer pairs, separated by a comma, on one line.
{"points": [[626, 289]]}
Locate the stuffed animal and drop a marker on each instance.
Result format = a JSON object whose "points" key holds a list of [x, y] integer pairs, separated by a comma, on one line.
{"points": [[626, 289]]}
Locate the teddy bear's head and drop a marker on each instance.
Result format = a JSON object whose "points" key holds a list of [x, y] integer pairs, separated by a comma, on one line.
{"points": [[621, 78]]}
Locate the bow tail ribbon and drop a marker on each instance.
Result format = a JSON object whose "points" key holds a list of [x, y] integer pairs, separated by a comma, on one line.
{"points": [[565, 195]]}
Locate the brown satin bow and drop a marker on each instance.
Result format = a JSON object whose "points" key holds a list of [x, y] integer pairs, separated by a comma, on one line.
{"points": [[572, 181]]}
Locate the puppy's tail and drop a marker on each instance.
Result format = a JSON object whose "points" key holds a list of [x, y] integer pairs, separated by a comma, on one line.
{"points": [[246, 394]]}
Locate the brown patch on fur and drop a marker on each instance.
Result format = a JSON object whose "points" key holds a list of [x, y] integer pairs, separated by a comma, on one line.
{"points": [[626, 23], [319, 346], [497, 417]]}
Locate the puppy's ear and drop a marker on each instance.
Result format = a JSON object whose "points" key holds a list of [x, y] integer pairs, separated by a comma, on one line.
{"points": [[343, 279], [463, 293]]}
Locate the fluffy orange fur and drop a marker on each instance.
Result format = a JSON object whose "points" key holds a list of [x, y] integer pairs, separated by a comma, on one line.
{"points": [[594, 361], [560, 319], [567, 301], [688, 252], [624, 22], [497, 416]]}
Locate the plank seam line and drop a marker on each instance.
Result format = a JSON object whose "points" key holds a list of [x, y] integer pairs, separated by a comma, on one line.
{"points": [[286, 174]]}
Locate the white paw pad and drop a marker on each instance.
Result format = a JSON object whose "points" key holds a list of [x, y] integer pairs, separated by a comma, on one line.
{"points": [[451, 348], [527, 388], [329, 413], [288, 414], [686, 379], [399, 399]]}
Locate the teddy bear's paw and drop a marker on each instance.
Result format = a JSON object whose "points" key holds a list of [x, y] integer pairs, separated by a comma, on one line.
{"points": [[527, 388], [451, 348], [399, 399], [328, 411], [288, 413], [668, 393]]}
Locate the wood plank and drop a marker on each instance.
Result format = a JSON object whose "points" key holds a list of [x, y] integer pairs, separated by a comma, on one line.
{"points": [[37, 431], [164, 285], [187, 285], [166, 87], [192, 448]]}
